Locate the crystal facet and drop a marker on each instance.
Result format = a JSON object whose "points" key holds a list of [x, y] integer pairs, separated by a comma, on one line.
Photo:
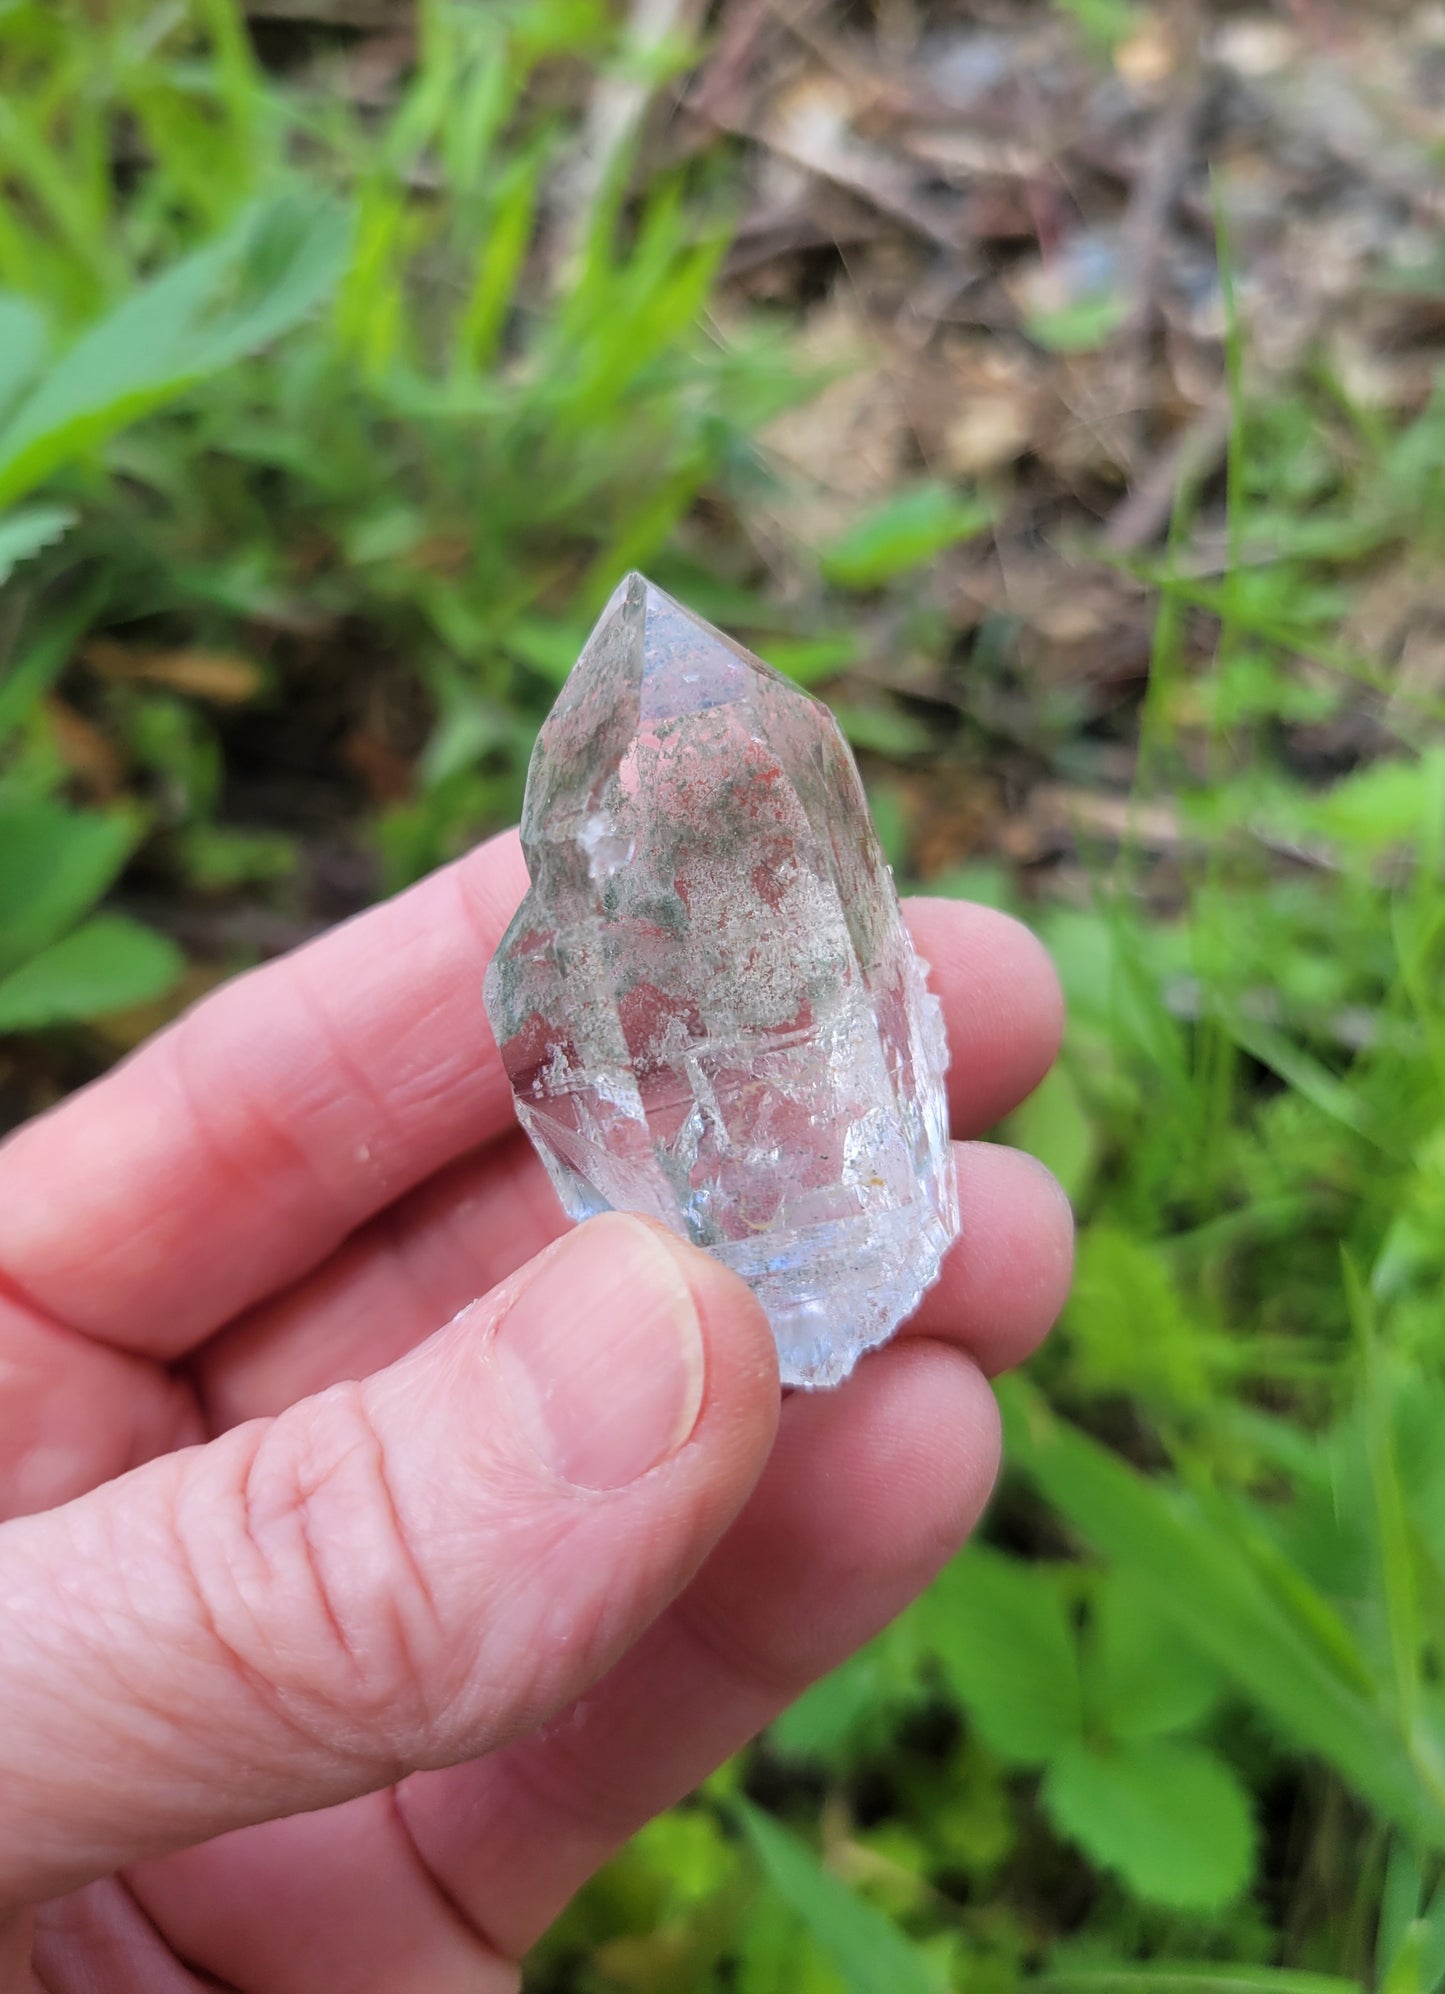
{"points": [[708, 1004]]}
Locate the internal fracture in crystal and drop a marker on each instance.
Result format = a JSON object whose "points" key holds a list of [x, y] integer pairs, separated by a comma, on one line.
{"points": [[708, 1004]]}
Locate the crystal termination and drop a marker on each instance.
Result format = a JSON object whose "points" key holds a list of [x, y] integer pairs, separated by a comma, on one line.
{"points": [[708, 1004]]}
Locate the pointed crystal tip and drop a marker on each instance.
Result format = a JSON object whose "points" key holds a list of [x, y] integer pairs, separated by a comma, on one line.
{"points": [[708, 1004]]}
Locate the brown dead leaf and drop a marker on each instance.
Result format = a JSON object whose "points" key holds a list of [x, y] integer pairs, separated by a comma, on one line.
{"points": [[388, 776], [441, 554], [952, 816], [1255, 45], [222, 677], [986, 434], [991, 412], [89, 755], [1087, 432], [1115, 819], [812, 124], [954, 152], [1147, 56], [845, 447], [1079, 608]]}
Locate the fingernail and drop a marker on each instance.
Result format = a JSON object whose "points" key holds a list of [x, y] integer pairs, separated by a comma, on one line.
{"points": [[602, 1354]]}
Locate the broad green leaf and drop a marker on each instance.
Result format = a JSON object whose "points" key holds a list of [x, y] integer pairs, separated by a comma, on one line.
{"points": [[105, 965], [29, 531], [23, 340], [1171, 1819], [1142, 1677], [54, 865], [1386, 803], [1002, 1634], [1280, 1644], [279, 260], [902, 533], [871, 1954]]}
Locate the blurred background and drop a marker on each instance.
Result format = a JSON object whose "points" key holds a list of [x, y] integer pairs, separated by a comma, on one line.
{"points": [[1052, 386]]}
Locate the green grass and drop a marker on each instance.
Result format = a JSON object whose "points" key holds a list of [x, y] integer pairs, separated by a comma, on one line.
{"points": [[316, 393], [460, 441]]}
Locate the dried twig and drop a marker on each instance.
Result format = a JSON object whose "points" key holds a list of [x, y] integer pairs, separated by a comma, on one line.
{"points": [[618, 106]]}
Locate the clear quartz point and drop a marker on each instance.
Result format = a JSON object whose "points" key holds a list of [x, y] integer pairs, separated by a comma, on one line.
{"points": [[708, 1004]]}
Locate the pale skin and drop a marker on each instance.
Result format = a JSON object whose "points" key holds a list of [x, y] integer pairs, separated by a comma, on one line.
{"points": [[348, 1621]]}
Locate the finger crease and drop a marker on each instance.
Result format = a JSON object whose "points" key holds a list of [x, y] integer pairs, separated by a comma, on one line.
{"points": [[401, 1537], [449, 1903], [744, 1667], [253, 1678], [202, 1976], [228, 1161]]}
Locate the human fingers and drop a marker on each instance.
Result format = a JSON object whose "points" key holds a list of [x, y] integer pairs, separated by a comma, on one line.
{"points": [[399, 1573], [1000, 1287], [236, 1150], [1007, 1276], [1002, 1005], [415, 1265], [868, 1490], [74, 1412]]}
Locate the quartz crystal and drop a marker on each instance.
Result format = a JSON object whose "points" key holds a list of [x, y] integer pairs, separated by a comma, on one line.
{"points": [[708, 1004]]}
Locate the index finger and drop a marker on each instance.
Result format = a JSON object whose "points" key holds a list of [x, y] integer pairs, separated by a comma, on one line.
{"points": [[236, 1150], [239, 1147]]}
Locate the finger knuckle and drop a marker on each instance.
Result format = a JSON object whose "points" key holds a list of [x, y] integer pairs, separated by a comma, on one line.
{"points": [[316, 1594]]}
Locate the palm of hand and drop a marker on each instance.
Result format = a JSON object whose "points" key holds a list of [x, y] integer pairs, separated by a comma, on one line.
{"points": [[377, 1606]]}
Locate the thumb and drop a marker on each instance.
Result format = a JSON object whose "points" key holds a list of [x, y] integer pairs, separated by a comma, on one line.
{"points": [[394, 1574]]}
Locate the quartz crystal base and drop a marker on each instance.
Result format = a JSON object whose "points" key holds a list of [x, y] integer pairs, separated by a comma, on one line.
{"points": [[708, 1004]]}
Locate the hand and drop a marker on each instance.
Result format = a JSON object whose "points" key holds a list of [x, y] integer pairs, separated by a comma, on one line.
{"points": [[340, 1647]]}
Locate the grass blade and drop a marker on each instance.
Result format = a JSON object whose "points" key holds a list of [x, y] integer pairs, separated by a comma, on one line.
{"points": [[870, 1953]]}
